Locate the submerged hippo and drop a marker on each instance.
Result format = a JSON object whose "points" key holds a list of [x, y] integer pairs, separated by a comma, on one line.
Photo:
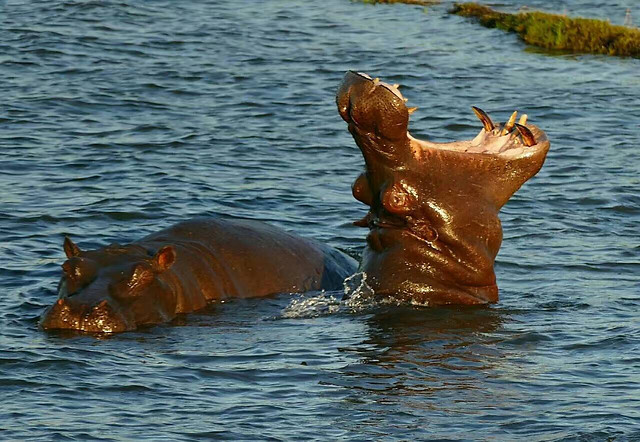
{"points": [[433, 218], [182, 268]]}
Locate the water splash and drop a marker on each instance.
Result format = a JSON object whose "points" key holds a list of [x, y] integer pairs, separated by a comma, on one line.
{"points": [[358, 298], [312, 307], [358, 295]]}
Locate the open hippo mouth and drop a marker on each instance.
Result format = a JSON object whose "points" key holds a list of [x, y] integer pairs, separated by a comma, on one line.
{"points": [[433, 217]]}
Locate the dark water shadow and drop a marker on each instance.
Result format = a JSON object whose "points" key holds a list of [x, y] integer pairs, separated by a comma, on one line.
{"points": [[424, 352], [560, 53], [429, 337]]}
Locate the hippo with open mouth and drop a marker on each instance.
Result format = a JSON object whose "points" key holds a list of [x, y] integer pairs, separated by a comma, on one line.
{"points": [[183, 268], [433, 221]]}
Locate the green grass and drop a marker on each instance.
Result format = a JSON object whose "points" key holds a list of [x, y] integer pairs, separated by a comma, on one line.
{"points": [[558, 32]]}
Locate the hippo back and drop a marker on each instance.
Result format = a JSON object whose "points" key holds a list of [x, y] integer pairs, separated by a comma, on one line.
{"points": [[227, 257]]}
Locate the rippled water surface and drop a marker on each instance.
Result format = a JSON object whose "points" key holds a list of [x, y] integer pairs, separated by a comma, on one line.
{"points": [[119, 118]]}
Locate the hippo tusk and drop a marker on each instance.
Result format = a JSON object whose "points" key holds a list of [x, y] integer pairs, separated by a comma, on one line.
{"points": [[486, 121], [527, 137]]}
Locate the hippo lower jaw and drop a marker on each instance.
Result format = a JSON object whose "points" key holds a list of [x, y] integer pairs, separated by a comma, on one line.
{"points": [[418, 268], [433, 218]]}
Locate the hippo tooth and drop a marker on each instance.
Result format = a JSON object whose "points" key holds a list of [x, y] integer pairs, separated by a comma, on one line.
{"points": [[482, 115], [527, 137], [412, 110], [405, 99], [523, 120], [509, 124], [396, 85], [376, 81]]}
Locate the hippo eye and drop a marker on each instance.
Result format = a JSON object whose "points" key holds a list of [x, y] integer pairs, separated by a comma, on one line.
{"points": [[67, 269], [140, 277], [133, 283], [71, 270]]}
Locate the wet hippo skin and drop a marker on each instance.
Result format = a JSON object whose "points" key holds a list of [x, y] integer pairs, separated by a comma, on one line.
{"points": [[433, 221], [184, 267]]}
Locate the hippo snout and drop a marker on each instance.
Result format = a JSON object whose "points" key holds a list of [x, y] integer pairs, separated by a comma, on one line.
{"points": [[99, 318], [372, 106]]}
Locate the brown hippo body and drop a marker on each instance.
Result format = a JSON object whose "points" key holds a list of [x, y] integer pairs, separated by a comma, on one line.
{"points": [[182, 268], [433, 217]]}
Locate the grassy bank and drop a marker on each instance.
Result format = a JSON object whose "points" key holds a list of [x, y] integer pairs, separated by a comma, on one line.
{"points": [[558, 32]]}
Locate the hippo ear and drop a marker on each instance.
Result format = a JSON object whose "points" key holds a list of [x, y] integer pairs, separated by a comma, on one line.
{"points": [[70, 249], [164, 259]]}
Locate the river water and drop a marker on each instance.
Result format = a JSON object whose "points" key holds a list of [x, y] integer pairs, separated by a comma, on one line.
{"points": [[119, 118]]}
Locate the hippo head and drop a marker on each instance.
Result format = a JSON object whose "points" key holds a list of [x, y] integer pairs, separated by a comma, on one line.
{"points": [[112, 289], [433, 218]]}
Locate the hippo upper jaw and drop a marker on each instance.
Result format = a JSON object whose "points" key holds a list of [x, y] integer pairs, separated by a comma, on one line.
{"points": [[499, 158], [433, 218]]}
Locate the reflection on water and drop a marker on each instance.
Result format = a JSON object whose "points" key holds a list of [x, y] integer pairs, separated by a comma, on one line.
{"points": [[426, 367], [424, 351]]}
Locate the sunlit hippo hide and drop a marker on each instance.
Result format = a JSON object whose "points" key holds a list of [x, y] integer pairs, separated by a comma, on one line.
{"points": [[433, 221], [184, 267]]}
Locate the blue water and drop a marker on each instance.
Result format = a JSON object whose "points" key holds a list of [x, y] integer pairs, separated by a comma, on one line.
{"points": [[119, 118]]}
